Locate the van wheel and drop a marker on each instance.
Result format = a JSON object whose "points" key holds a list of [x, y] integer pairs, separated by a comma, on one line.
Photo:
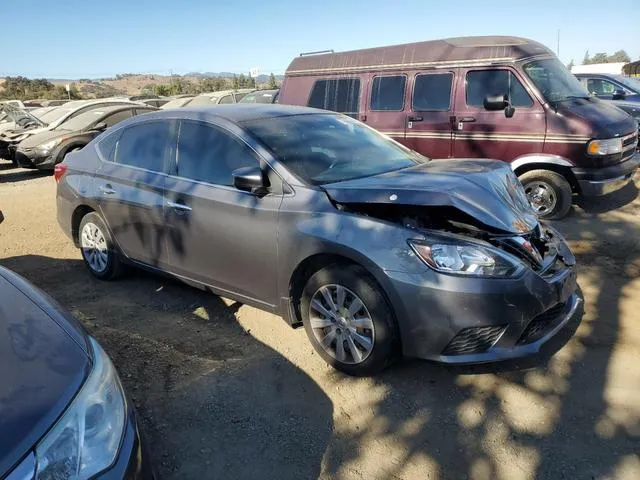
{"points": [[348, 320], [98, 249], [548, 192]]}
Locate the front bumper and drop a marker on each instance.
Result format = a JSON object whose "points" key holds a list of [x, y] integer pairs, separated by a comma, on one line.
{"points": [[601, 181], [458, 320], [33, 159]]}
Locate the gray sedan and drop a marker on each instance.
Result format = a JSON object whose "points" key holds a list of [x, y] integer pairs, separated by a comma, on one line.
{"points": [[312, 215]]}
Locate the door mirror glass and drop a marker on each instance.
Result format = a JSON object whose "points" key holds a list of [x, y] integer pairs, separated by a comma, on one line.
{"points": [[249, 179], [618, 94]]}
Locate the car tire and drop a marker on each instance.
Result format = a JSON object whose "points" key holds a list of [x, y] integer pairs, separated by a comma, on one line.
{"points": [[359, 341], [98, 248], [548, 192]]}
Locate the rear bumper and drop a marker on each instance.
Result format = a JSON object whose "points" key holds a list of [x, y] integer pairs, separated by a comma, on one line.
{"points": [[601, 181]]}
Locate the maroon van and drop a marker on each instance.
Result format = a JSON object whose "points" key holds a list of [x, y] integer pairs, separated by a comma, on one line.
{"points": [[490, 97]]}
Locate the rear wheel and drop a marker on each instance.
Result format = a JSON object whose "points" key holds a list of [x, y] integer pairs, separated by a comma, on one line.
{"points": [[549, 193], [348, 320], [98, 249]]}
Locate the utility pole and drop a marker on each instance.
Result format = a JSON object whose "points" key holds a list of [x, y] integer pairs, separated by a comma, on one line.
{"points": [[558, 45]]}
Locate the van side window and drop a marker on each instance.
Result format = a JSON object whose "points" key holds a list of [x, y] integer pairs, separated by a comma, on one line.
{"points": [[387, 93], [340, 95], [481, 83], [432, 92]]}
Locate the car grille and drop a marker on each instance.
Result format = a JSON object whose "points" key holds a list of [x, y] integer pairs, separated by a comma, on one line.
{"points": [[473, 340], [541, 324]]}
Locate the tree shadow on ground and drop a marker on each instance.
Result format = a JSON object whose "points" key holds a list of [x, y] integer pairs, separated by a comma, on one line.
{"points": [[212, 401]]}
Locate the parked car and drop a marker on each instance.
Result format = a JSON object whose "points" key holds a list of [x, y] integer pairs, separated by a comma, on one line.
{"points": [[459, 98], [155, 102], [11, 138], [46, 149], [632, 108], [178, 102], [64, 413], [215, 98], [318, 218], [261, 96], [611, 87]]}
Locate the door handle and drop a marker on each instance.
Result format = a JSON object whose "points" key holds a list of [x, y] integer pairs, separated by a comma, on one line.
{"points": [[179, 207], [466, 119], [107, 190], [415, 118]]}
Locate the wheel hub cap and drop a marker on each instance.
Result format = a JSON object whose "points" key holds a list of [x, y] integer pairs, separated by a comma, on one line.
{"points": [[541, 196], [342, 324], [94, 247]]}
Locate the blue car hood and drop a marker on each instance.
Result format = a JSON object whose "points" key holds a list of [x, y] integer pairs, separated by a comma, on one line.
{"points": [[486, 190], [44, 363]]}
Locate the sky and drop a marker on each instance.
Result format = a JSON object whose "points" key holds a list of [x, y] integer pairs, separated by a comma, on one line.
{"points": [[100, 38]]}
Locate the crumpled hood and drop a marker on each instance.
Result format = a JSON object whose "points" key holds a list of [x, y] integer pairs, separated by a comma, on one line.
{"points": [[42, 137], [605, 119], [12, 134], [487, 190]]}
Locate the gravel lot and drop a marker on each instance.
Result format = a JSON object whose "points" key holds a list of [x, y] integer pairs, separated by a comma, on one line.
{"points": [[227, 391]]}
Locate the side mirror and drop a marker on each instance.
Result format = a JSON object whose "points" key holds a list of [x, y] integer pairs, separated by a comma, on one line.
{"points": [[499, 102], [101, 127], [249, 179], [618, 94]]}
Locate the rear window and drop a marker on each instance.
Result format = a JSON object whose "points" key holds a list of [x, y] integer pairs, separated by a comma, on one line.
{"points": [[387, 93], [340, 95], [432, 92], [145, 145]]}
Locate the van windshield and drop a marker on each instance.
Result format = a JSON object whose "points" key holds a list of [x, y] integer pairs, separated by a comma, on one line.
{"points": [[554, 81]]}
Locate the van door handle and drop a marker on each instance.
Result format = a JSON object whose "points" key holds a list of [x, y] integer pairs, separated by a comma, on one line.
{"points": [[179, 207], [415, 118], [107, 189], [466, 119]]}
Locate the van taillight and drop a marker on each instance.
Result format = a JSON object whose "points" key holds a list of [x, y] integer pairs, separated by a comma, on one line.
{"points": [[58, 171]]}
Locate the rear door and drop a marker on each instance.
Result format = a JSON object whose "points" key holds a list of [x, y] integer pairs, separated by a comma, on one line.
{"points": [[428, 119], [480, 133], [220, 235], [130, 183], [386, 105]]}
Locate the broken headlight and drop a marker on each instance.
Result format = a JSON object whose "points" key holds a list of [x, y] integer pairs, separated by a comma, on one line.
{"points": [[457, 256]]}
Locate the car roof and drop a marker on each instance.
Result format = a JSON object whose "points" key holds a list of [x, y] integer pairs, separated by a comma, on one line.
{"points": [[236, 112], [449, 51], [221, 93]]}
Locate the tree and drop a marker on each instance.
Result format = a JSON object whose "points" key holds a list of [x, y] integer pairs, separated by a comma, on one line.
{"points": [[162, 90], [619, 56], [586, 60], [242, 81], [273, 83], [600, 57], [235, 82], [571, 64]]}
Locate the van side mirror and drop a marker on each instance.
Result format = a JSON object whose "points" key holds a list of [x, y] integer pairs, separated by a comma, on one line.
{"points": [[499, 102], [249, 179], [618, 94]]}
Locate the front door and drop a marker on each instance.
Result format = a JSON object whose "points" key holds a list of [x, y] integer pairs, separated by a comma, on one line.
{"points": [[220, 235], [130, 185], [480, 133], [428, 118]]}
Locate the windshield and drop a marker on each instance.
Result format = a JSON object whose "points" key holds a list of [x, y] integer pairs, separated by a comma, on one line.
{"points": [[81, 121], [326, 148], [55, 114], [629, 82], [258, 97], [554, 81]]}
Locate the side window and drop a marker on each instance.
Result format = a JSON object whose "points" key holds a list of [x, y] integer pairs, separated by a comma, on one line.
{"points": [[145, 145], [432, 92], [209, 154], [600, 86], [239, 96], [481, 83], [107, 146], [340, 95], [118, 117], [387, 93], [226, 99]]}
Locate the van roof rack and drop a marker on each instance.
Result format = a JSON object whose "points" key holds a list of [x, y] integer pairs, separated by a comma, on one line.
{"points": [[319, 52]]}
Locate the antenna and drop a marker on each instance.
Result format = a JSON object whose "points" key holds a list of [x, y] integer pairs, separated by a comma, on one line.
{"points": [[319, 52]]}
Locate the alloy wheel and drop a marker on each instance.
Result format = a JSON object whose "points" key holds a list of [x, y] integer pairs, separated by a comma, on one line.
{"points": [[94, 247], [341, 324]]}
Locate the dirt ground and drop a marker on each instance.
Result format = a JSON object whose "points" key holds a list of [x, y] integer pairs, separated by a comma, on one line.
{"points": [[226, 391]]}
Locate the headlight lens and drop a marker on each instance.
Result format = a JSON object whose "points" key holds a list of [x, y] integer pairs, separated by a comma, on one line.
{"points": [[604, 147], [46, 147], [86, 439], [466, 258]]}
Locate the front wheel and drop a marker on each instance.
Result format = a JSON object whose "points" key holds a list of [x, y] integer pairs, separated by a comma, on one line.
{"points": [[98, 249], [348, 320], [549, 193]]}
